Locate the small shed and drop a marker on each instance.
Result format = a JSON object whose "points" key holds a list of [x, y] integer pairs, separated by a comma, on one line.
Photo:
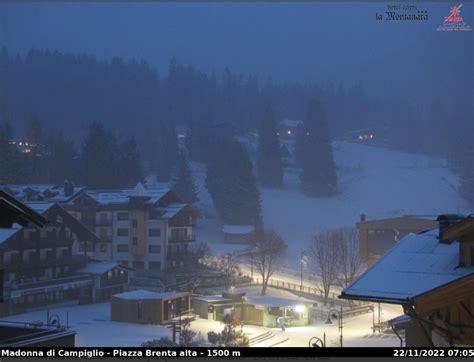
{"points": [[109, 278], [143, 306], [239, 234]]}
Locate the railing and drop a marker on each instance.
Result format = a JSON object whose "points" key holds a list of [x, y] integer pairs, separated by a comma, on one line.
{"points": [[313, 291], [50, 282], [187, 239]]}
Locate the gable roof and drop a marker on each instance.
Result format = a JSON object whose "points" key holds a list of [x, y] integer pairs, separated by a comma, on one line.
{"points": [[99, 268], [44, 192], [415, 265], [14, 211]]}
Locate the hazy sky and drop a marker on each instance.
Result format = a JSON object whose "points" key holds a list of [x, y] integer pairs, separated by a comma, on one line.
{"points": [[339, 41]]}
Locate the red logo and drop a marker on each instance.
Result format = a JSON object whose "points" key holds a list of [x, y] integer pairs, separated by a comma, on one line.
{"points": [[454, 21], [454, 14]]}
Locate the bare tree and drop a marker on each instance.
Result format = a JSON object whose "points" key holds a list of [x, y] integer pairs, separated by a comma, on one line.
{"points": [[325, 250], [268, 253], [229, 267], [350, 255]]}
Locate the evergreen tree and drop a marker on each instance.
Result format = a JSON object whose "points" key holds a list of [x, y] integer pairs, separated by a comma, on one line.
{"points": [[36, 160], [269, 163], [129, 162], [11, 165], [232, 185], [318, 174], [63, 161], [166, 152], [99, 158], [183, 182]]}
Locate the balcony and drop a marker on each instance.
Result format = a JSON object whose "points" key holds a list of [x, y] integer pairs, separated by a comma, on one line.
{"points": [[184, 239]]}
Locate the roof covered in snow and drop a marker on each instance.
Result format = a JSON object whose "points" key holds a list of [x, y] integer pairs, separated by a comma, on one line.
{"points": [[6, 233], [416, 265], [271, 301], [238, 229], [146, 294], [171, 210], [107, 197], [40, 192]]}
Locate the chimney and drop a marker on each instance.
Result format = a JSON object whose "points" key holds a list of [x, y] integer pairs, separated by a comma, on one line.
{"points": [[362, 217], [445, 221]]}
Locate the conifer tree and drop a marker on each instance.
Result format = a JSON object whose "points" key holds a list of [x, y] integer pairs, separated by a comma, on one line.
{"points": [[318, 174], [11, 165], [129, 162], [183, 181], [166, 152], [99, 158], [233, 187], [269, 163]]}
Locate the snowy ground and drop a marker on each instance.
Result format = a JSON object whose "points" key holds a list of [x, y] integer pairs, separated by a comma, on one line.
{"points": [[373, 180], [94, 327]]}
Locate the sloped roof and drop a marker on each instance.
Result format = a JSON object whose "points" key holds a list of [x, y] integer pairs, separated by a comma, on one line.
{"points": [[14, 211], [48, 192], [146, 294], [238, 229], [99, 268], [416, 265], [9, 232]]}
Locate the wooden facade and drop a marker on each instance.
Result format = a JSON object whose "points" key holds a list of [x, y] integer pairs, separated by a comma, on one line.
{"points": [[376, 237], [149, 307]]}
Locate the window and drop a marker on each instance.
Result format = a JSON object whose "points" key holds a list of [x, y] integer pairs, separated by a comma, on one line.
{"points": [[154, 249], [154, 265], [154, 215], [154, 232], [179, 234], [134, 223], [122, 216], [122, 232], [122, 248], [138, 264]]}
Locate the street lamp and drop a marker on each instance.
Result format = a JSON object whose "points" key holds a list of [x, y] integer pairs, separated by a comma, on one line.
{"points": [[303, 263], [338, 315]]}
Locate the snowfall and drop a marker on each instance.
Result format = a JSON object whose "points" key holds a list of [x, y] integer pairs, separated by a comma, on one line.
{"points": [[376, 181], [95, 329]]}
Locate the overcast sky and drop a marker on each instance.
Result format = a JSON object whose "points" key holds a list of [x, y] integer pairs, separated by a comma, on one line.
{"points": [[326, 42]]}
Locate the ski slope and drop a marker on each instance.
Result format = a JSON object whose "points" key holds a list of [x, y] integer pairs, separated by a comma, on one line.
{"points": [[377, 181]]}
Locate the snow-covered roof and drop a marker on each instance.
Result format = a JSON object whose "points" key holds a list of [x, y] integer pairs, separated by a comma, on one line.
{"points": [[291, 122], [48, 192], [123, 196], [171, 210], [6, 233], [238, 229], [39, 206], [97, 268], [211, 298], [271, 301], [416, 265], [401, 319], [145, 294]]}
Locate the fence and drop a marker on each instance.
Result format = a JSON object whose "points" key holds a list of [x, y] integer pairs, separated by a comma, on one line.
{"points": [[303, 289]]}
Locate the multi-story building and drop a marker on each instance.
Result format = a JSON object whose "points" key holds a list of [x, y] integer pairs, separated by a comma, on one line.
{"points": [[42, 263], [146, 229]]}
